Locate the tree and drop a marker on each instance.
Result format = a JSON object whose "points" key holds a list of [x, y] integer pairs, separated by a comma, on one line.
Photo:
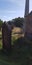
{"points": [[18, 22]]}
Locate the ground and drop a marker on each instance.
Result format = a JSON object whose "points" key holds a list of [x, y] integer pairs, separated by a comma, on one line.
{"points": [[21, 55]]}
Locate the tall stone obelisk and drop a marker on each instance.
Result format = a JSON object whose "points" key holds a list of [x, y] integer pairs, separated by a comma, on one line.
{"points": [[25, 14], [26, 7]]}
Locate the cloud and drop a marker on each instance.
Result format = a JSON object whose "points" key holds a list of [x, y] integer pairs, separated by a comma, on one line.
{"points": [[6, 11], [10, 12], [5, 18], [18, 2]]}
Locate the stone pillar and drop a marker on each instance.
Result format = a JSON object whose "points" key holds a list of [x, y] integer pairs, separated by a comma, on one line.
{"points": [[26, 7], [6, 37]]}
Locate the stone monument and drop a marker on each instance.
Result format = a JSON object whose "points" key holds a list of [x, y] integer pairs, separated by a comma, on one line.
{"points": [[26, 7], [6, 36], [28, 22]]}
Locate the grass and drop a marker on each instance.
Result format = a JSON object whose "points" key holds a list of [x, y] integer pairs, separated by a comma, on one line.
{"points": [[18, 56], [22, 56], [0, 39], [1, 44]]}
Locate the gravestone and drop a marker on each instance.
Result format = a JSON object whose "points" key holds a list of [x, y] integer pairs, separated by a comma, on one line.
{"points": [[6, 36]]}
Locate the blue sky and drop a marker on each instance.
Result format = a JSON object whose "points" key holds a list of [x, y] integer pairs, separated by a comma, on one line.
{"points": [[10, 9]]}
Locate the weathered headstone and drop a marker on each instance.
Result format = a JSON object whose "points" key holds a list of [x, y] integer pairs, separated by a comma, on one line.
{"points": [[6, 36]]}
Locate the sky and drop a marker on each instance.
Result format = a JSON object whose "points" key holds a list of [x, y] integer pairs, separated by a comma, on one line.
{"points": [[10, 9]]}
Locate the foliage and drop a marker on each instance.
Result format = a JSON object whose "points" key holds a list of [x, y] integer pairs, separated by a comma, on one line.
{"points": [[19, 56], [1, 22], [18, 22]]}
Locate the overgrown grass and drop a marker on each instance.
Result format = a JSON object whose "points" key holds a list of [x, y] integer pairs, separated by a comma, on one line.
{"points": [[18, 56], [0, 39], [1, 44]]}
